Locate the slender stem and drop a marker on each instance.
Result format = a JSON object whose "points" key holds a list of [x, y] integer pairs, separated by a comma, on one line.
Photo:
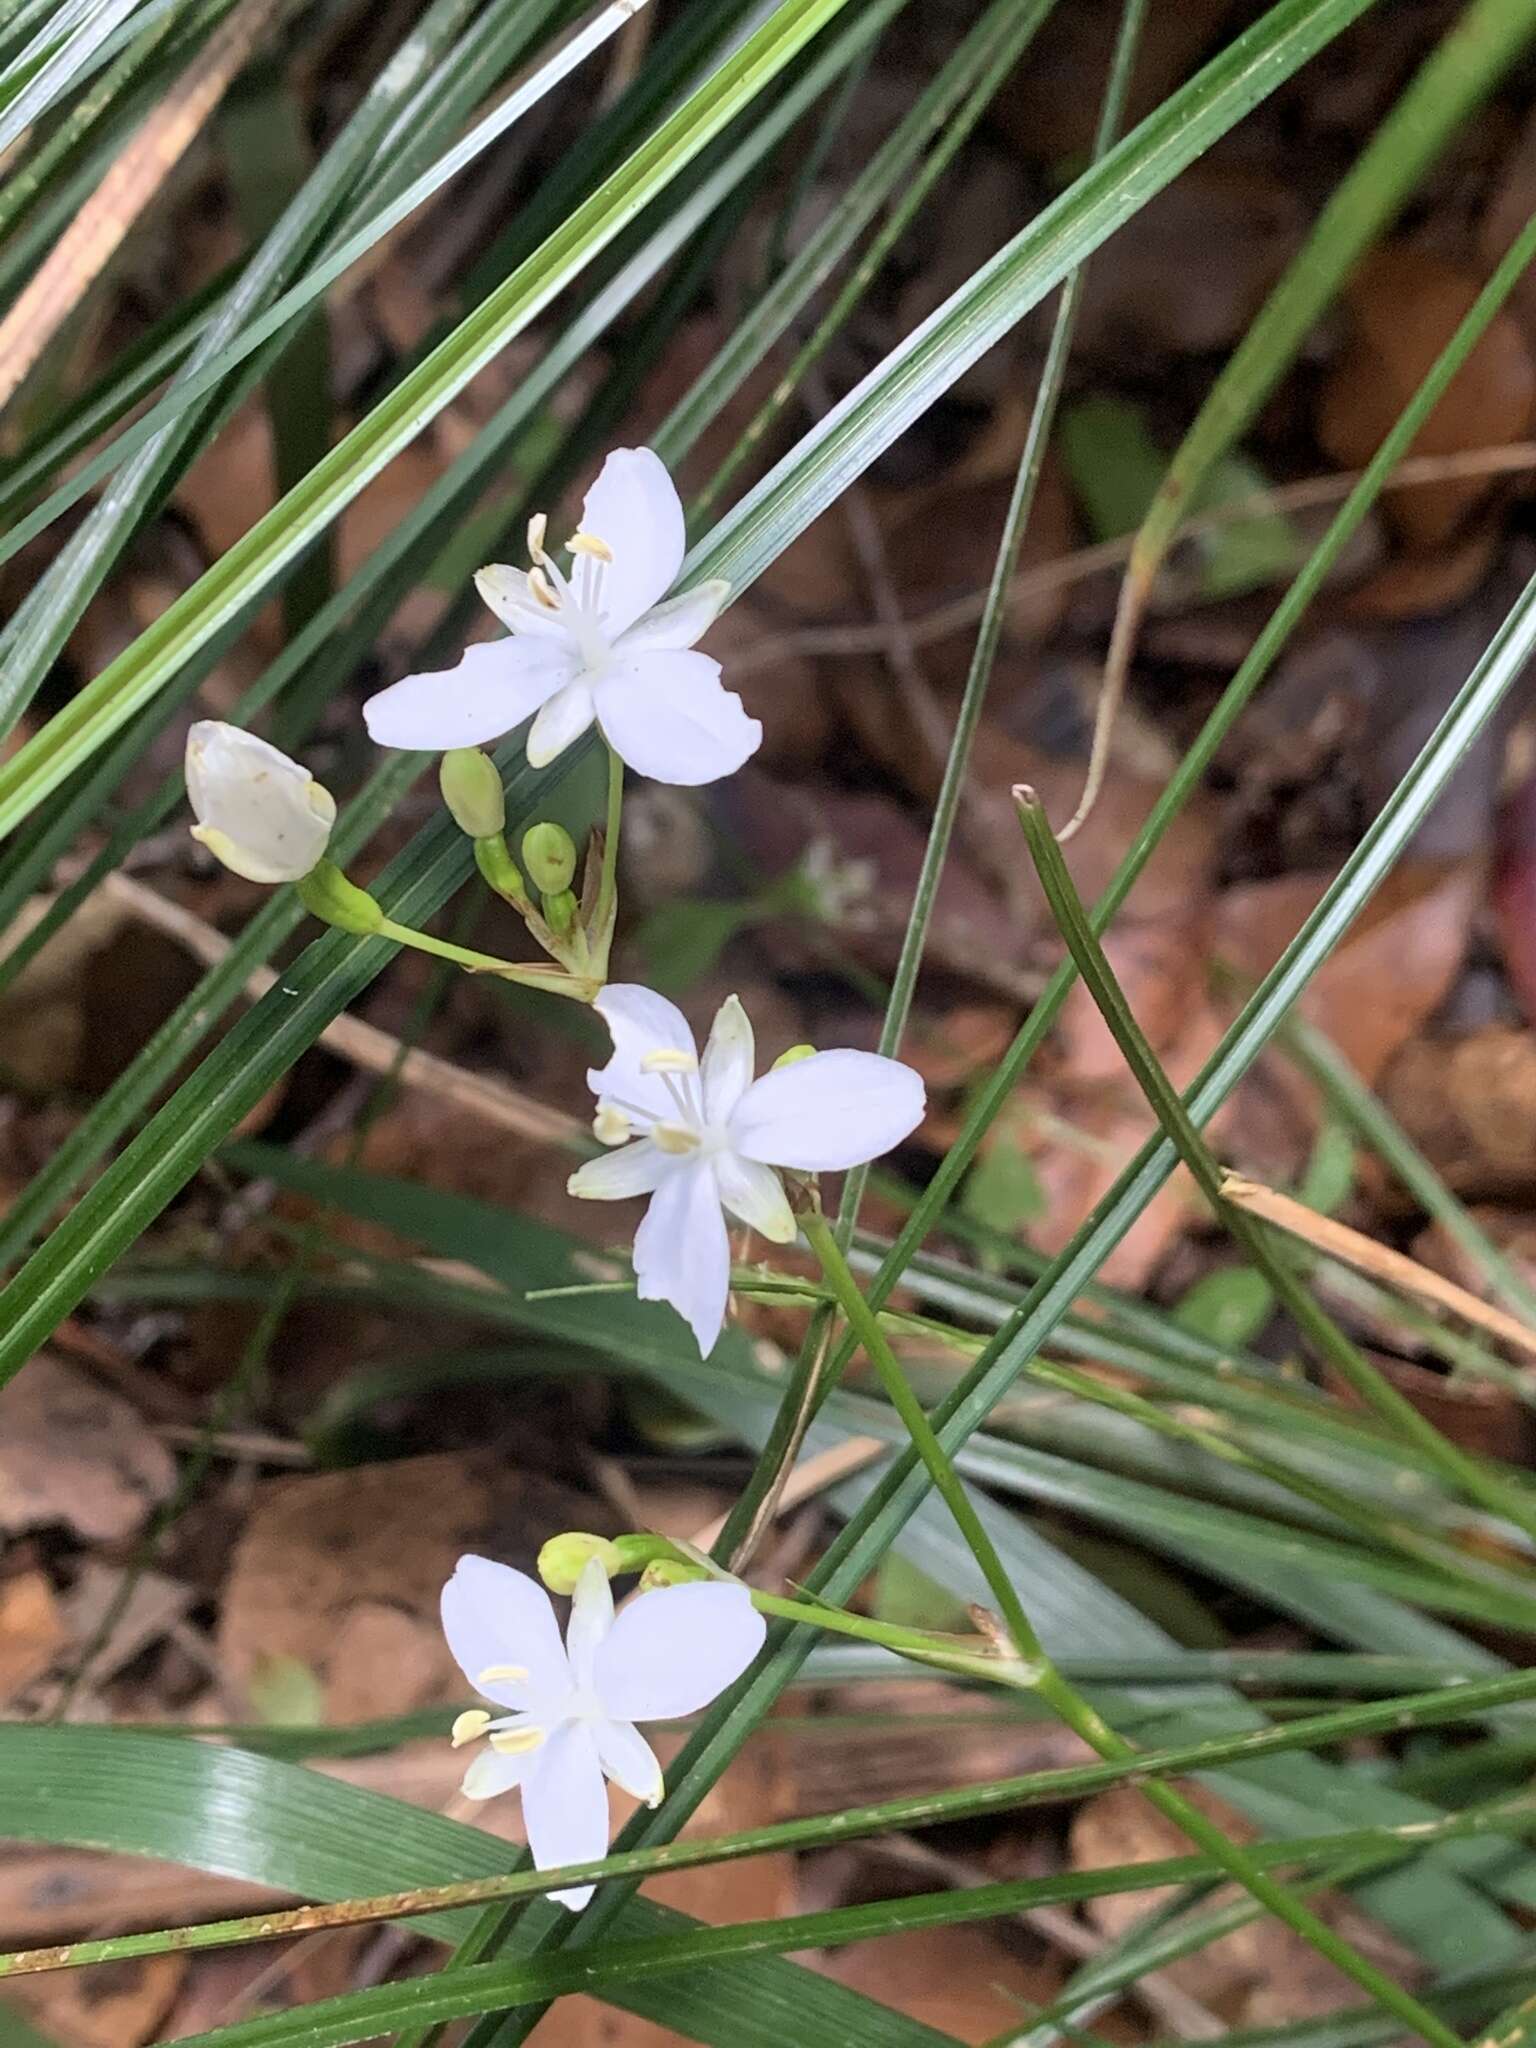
{"points": [[1070, 1706], [555, 980], [1459, 1564], [947, 1482], [605, 909], [818, 1367], [1467, 1474], [1329, 1856]]}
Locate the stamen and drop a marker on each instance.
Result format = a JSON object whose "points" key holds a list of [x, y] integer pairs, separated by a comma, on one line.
{"points": [[669, 1060], [677, 1139], [611, 1126], [684, 1093], [499, 1674], [589, 544], [543, 590], [469, 1727], [538, 526], [516, 1741]]}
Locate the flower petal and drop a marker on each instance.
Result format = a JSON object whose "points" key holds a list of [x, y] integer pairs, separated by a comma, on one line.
{"points": [[756, 1196], [494, 1617], [679, 622], [636, 1169], [565, 717], [833, 1110], [683, 1255], [634, 509], [639, 1022], [667, 716], [505, 591], [591, 1619], [565, 1807], [671, 1651], [629, 1760], [729, 1060], [260, 813], [491, 1773], [497, 685]]}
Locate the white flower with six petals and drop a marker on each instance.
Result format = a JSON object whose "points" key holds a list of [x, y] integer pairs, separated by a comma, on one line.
{"points": [[572, 1707], [597, 644], [707, 1137]]}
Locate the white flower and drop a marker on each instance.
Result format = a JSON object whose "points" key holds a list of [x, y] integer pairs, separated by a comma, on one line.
{"points": [[573, 1708], [708, 1137], [595, 645], [258, 812]]}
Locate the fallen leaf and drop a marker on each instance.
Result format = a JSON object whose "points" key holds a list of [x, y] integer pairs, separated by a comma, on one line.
{"points": [[114, 2005], [32, 1631], [1394, 967], [1404, 303], [1512, 896], [325, 1560], [76, 1456], [1469, 1103], [962, 1980], [1261, 1974]]}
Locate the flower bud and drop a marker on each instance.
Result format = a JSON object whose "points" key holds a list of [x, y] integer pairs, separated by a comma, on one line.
{"points": [[670, 1571], [549, 855], [472, 791], [563, 1557], [560, 912], [792, 1057], [329, 896], [261, 814], [496, 864]]}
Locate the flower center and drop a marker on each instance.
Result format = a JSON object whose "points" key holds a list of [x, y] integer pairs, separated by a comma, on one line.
{"points": [[578, 599]]}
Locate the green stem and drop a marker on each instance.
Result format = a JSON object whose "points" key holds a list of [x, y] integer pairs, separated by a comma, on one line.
{"points": [[1329, 1856], [818, 1366], [1466, 1474], [1065, 1700], [554, 980], [605, 909], [947, 1482]]}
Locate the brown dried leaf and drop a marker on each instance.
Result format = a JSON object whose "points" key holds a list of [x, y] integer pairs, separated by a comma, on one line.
{"points": [[325, 1560], [74, 1455], [1404, 303], [1263, 1974], [32, 1631], [115, 2005], [1388, 976], [1470, 1104]]}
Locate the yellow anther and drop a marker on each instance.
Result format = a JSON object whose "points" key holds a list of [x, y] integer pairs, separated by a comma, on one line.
{"points": [[538, 526], [611, 1126], [669, 1059], [516, 1741], [589, 544], [543, 590], [501, 1674], [674, 1138], [469, 1727]]}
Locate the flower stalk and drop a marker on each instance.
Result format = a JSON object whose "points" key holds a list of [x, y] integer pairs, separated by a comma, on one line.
{"points": [[1063, 1698]]}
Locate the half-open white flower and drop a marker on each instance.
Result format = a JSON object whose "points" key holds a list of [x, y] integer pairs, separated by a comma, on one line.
{"points": [[257, 811], [573, 1707], [708, 1138], [594, 644]]}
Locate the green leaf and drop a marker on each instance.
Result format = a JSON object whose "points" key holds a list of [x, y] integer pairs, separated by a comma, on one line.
{"points": [[241, 1815]]}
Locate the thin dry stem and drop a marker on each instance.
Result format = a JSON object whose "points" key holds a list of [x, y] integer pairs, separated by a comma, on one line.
{"points": [[1377, 1261]]}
